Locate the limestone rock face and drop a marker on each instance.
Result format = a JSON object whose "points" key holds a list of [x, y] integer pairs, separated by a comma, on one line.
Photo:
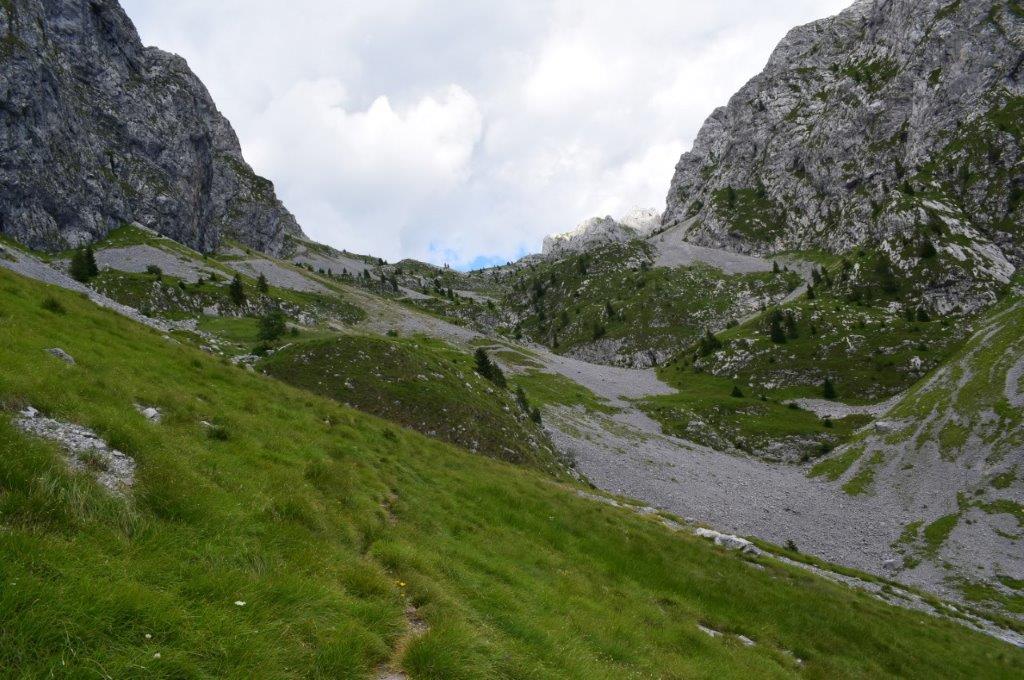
{"points": [[638, 223], [895, 123], [97, 130]]}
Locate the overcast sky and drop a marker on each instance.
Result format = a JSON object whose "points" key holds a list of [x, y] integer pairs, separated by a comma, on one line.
{"points": [[464, 132]]}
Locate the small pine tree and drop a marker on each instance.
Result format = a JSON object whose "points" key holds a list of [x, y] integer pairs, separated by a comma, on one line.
{"points": [[484, 365], [811, 295], [775, 331], [535, 415], [922, 315], [521, 399], [927, 250], [829, 389], [83, 265], [737, 392], [498, 376], [262, 285], [709, 343], [488, 369], [236, 291], [792, 331], [775, 267]]}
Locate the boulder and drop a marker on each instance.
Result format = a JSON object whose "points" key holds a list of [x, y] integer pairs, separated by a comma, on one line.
{"points": [[62, 355], [728, 541]]}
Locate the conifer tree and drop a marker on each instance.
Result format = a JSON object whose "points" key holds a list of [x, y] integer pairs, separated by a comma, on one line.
{"points": [[83, 265], [829, 389], [236, 291]]}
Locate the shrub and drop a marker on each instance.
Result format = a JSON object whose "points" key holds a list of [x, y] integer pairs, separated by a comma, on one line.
{"points": [[262, 285], [155, 271], [737, 392], [709, 343], [521, 399], [52, 304], [535, 415], [927, 250], [273, 325], [922, 315], [791, 546], [218, 433]]}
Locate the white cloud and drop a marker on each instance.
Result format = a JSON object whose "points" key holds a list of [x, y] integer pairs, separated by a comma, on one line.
{"points": [[370, 170], [449, 131]]}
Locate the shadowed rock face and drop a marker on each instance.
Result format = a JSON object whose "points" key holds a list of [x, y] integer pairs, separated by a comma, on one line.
{"points": [[866, 128], [97, 130]]}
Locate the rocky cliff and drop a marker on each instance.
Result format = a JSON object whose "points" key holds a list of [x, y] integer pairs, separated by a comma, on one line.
{"points": [[97, 130], [598, 231], [895, 126]]}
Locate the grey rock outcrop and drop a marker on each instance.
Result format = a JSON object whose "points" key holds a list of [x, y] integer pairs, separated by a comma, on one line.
{"points": [[97, 130], [62, 355], [597, 231], [894, 125]]}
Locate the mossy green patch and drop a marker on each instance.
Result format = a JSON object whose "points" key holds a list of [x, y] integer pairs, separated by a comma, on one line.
{"points": [[833, 468], [865, 477], [936, 533]]}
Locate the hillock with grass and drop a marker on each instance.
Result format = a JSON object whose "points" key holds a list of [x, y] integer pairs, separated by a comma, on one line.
{"points": [[423, 384]]}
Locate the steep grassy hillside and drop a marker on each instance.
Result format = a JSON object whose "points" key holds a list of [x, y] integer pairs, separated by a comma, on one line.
{"points": [[297, 538], [862, 328]]}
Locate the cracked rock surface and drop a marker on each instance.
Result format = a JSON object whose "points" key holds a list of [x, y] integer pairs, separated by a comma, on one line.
{"points": [[98, 131]]}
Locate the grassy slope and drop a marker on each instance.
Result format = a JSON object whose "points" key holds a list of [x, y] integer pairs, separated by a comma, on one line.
{"points": [[704, 409], [314, 515], [959, 412], [653, 309], [170, 297], [418, 382], [849, 332], [854, 332]]}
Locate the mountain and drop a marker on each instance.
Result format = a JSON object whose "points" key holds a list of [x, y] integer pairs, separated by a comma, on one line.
{"points": [[230, 451], [97, 131], [596, 231], [895, 125]]}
